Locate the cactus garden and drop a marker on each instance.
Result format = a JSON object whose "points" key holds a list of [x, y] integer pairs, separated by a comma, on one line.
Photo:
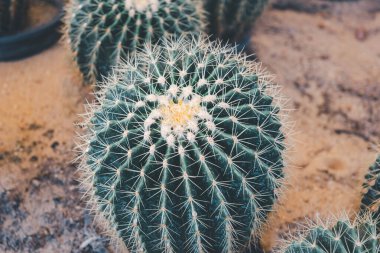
{"points": [[190, 126]]}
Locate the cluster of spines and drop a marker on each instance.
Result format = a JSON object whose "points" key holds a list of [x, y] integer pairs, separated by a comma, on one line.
{"points": [[101, 33], [371, 195], [336, 236], [230, 20], [12, 15], [212, 187]]}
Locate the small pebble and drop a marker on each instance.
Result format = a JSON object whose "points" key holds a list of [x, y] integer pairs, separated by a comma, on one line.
{"points": [[35, 182], [361, 34]]}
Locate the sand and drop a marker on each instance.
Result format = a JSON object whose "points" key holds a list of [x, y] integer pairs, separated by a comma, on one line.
{"points": [[328, 64]]}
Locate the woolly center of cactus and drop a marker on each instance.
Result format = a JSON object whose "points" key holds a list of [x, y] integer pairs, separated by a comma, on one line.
{"points": [[178, 114], [141, 5]]}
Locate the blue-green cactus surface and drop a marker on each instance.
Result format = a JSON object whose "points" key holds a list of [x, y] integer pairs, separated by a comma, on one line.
{"points": [[184, 151]]}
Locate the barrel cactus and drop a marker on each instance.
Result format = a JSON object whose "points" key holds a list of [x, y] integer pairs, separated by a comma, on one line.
{"points": [[12, 15], [371, 196], [101, 32], [343, 236], [184, 149], [230, 20]]}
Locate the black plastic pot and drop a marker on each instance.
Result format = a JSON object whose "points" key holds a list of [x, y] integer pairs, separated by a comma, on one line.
{"points": [[27, 43]]}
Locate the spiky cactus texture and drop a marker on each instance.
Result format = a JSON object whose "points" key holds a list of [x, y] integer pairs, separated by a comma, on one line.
{"points": [[12, 15], [101, 32], [371, 196], [229, 20], [184, 151], [340, 236]]}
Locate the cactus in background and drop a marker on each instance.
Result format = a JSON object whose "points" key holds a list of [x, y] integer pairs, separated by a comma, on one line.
{"points": [[371, 196], [5, 13], [12, 15], [343, 236], [230, 20], [184, 150], [103, 32]]}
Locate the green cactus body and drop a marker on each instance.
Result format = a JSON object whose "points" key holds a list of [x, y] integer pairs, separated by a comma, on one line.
{"points": [[184, 150], [12, 15], [103, 32], [371, 196], [343, 237], [229, 20]]}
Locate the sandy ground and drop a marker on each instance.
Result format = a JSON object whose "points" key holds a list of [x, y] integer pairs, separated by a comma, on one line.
{"points": [[329, 66], [327, 59]]}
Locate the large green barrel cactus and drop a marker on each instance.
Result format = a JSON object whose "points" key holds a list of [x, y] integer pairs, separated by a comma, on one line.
{"points": [[343, 236], [184, 151], [12, 15], [101, 32], [230, 20], [371, 196]]}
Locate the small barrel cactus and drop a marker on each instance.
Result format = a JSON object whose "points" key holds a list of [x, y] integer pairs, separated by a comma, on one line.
{"points": [[343, 236], [184, 151], [12, 15], [102, 32], [371, 196], [230, 20]]}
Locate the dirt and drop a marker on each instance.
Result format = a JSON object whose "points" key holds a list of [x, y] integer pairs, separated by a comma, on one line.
{"points": [[328, 63], [41, 12], [40, 203], [327, 59]]}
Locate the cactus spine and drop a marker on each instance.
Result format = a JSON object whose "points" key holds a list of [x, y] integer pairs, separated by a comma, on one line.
{"points": [[12, 15], [229, 20], [371, 196], [343, 236], [102, 32], [184, 151]]}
